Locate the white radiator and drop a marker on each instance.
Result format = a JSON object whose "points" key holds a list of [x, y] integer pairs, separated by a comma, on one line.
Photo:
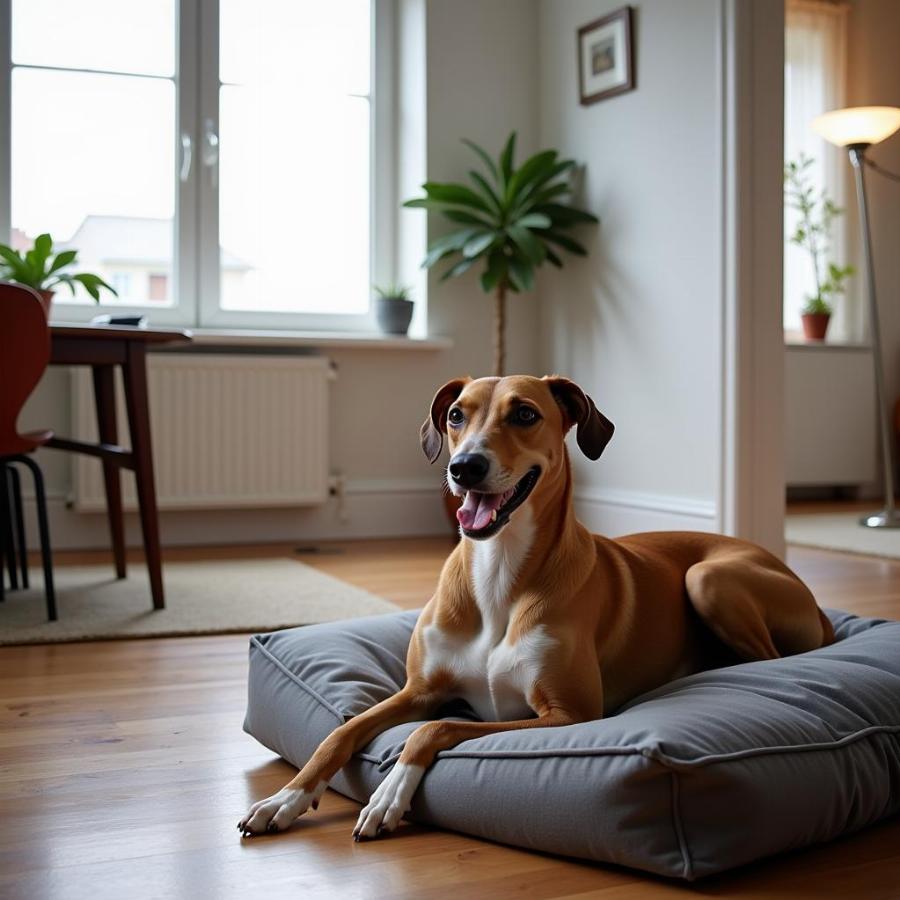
{"points": [[228, 432]]}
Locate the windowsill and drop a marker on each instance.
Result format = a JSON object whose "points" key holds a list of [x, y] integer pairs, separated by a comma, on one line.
{"points": [[793, 341], [338, 340]]}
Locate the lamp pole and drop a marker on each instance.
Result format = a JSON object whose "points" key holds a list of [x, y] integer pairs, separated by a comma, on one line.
{"points": [[887, 518]]}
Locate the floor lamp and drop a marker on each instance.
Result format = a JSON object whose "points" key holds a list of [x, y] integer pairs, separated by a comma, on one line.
{"points": [[856, 129]]}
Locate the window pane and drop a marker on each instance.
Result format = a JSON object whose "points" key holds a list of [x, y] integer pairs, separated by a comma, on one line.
{"points": [[315, 47], [119, 35], [294, 167], [98, 174]]}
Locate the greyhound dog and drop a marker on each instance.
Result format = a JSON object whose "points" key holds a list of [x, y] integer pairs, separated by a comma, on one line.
{"points": [[536, 622]]}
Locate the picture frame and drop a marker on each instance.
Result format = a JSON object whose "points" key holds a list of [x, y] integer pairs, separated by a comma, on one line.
{"points": [[606, 57]]}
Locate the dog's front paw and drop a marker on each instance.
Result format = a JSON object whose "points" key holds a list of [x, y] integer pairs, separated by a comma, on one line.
{"points": [[392, 798], [275, 813]]}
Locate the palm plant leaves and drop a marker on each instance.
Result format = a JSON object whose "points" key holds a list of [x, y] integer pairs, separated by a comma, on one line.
{"points": [[43, 270], [507, 218]]}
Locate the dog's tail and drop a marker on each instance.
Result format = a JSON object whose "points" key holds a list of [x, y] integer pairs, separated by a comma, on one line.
{"points": [[827, 628]]}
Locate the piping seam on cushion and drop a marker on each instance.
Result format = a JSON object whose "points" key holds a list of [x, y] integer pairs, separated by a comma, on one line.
{"points": [[298, 681], [713, 758]]}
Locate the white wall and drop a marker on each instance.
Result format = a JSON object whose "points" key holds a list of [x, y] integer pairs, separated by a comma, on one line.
{"points": [[638, 323], [483, 83]]}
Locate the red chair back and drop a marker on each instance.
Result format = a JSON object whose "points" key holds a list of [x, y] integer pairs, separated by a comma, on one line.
{"points": [[24, 354]]}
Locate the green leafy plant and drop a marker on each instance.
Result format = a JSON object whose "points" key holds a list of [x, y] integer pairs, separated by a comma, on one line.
{"points": [[511, 220], [817, 213], [42, 269], [393, 292]]}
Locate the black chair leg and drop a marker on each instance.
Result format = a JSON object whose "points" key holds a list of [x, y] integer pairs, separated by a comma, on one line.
{"points": [[18, 511], [44, 529], [8, 534]]}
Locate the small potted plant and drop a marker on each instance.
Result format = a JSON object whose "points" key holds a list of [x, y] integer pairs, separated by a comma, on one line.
{"points": [[393, 309], [43, 270], [817, 212]]}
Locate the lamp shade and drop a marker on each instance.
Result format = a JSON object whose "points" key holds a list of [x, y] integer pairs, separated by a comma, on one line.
{"points": [[858, 124]]}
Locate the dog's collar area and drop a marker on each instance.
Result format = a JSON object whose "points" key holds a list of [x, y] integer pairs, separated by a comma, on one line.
{"points": [[482, 515]]}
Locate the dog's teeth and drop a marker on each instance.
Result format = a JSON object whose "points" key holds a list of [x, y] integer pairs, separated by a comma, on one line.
{"points": [[493, 515]]}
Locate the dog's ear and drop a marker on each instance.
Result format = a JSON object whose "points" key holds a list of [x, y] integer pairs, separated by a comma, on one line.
{"points": [[594, 430], [435, 425]]}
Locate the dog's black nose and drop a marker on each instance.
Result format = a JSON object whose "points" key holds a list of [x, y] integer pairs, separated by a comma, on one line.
{"points": [[469, 469]]}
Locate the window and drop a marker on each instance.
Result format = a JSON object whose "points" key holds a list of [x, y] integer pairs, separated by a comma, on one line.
{"points": [[814, 75], [213, 160]]}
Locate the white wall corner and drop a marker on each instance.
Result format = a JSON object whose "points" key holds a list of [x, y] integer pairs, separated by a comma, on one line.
{"points": [[752, 482]]}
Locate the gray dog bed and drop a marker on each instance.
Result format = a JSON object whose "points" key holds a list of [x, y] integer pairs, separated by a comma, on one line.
{"points": [[709, 772]]}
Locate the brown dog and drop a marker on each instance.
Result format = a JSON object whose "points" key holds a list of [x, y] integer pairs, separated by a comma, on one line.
{"points": [[536, 622]]}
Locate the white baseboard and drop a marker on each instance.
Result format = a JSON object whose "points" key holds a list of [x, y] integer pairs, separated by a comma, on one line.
{"points": [[367, 509], [613, 512]]}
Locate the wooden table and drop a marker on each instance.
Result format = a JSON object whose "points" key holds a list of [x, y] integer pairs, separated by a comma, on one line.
{"points": [[102, 347]]}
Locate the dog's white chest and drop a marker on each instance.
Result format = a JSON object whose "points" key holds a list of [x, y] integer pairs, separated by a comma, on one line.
{"points": [[496, 678], [494, 675]]}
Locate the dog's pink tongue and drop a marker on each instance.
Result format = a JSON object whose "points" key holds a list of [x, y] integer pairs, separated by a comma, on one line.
{"points": [[475, 513]]}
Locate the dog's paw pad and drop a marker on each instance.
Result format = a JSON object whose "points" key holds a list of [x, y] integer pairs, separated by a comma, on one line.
{"points": [[276, 813]]}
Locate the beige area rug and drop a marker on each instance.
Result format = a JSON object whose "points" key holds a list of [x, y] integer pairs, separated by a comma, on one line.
{"points": [[201, 598], [842, 531]]}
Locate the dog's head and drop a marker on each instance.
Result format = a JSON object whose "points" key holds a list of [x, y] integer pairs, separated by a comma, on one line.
{"points": [[506, 440]]}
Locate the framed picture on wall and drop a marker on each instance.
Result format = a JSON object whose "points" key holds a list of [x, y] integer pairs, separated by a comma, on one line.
{"points": [[605, 58]]}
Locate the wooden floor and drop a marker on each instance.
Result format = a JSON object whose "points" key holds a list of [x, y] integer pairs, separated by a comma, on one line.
{"points": [[123, 770]]}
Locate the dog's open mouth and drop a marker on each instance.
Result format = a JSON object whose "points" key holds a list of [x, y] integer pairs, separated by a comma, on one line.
{"points": [[483, 515]]}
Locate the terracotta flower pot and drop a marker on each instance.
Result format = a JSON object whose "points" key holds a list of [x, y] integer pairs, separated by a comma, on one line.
{"points": [[47, 300], [815, 325]]}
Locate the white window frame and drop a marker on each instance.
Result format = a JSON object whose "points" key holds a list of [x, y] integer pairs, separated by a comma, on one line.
{"points": [[196, 245]]}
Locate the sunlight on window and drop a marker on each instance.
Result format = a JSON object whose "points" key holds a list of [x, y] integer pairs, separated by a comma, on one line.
{"points": [[294, 169], [137, 36], [93, 154]]}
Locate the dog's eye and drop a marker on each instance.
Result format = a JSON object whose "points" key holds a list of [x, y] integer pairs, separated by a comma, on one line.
{"points": [[455, 416], [525, 415]]}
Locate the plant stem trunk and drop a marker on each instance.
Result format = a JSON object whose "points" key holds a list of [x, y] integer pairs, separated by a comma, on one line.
{"points": [[500, 330]]}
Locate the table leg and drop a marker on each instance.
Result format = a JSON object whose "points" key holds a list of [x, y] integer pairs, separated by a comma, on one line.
{"points": [[105, 400], [134, 371]]}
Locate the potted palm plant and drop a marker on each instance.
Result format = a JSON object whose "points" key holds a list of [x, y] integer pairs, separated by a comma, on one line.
{"points": [[510, 221], [817, 212], [43, 270]]}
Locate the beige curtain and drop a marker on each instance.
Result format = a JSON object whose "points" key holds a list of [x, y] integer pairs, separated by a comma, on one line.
{"points": [[815, 54]]}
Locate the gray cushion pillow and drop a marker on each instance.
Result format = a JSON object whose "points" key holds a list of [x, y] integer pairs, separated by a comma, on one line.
{"points": [[706, 773]]}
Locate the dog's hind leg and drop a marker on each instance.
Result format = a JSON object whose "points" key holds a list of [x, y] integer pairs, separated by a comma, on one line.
{"points": [[278, 811], [756, 606]]}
